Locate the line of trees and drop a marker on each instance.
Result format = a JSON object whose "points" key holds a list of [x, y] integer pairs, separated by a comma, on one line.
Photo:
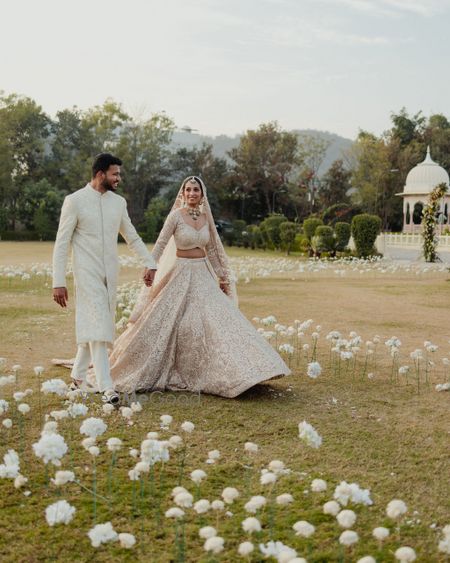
{"points": [[271, 171]]}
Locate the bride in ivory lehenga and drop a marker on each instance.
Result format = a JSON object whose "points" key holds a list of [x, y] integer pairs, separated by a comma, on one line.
{"points": [[186, 331]]}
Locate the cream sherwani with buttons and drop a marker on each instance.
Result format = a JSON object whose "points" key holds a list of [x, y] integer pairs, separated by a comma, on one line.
{"points": [[90, 222]]}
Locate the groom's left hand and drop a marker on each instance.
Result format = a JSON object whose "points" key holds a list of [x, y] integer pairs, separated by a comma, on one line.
{"points": [[149, 276]]}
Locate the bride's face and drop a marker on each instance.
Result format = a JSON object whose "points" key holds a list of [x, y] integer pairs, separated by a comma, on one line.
{"points": [[192, 193]]}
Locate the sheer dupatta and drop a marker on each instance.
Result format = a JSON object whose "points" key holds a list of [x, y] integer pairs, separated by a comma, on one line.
{"points": [[217, 259]]}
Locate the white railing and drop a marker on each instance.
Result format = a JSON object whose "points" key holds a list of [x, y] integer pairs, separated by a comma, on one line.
{"points": [[406, 240]]}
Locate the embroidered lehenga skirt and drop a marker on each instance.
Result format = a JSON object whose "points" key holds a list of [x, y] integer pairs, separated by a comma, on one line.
{"points": [[191, 336]]}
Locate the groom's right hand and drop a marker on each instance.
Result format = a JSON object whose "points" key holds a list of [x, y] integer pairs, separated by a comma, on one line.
{"points": [[61, 296]]}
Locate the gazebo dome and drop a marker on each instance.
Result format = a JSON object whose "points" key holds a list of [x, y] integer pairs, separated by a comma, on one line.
{"points": [[424, 177]]}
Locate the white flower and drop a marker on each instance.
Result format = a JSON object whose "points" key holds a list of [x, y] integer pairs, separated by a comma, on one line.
{"points": [[166, 421], [175, 442], [245, 548], [184, 499], [217, 505], [207, 532], [268, 478], [213, 456], [19, 396], [202, 506], [277, 466], [126, 412], [405, 554], [308, 434], [77, 409], [318, 486], [7, 379], [87, 443], [114, 444], [57, 386], [60, 512], [127, 541], [7, 423], [177, 490], [93, 427], [214, 544], [278, 550], [152, 435], [94, 451], [134, 475], [230, 494], [51, 447], [187, 426], [198, 475], [107, 408], [63, 477], [286, 348], [136, 407], [380, 533], [38, 370], [303, 528], [331, 507], [50, 427], [174, 512], [367, 559], [444, 544], [255, 503], [142, 467], [346, 518], [251, 448], [345, 492], [251, 525], [314, 370], [24, 408], [403, 370], [349, 537], [284, 499], [396, 508], [10, 467], [102, 533], [134, 452], [155, 451], [59, 415], [3, 406], [20, 481]]}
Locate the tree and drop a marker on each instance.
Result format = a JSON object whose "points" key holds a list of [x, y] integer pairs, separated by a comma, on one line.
{"points": [[144, 149], [407, 128], [335, 185], [24, 129], [270, 230], [43, 196], [263, 162], [312, 151]]}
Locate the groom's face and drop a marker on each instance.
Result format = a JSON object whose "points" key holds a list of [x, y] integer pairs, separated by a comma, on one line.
{"points": [[111, 178]]}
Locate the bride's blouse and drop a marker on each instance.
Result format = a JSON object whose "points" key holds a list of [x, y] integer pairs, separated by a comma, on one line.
{"points": [[186, 237]]}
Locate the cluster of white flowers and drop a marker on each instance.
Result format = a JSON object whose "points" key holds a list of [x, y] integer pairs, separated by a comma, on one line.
{"points": [[155, 451], [57, 386], [60, 512], [309, 435], [444, 543], [50, 448], [351, 492], [93, 427], [10, 467]]}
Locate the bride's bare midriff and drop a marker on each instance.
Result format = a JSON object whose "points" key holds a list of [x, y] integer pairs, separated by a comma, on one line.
{"points": [[191, 253]]}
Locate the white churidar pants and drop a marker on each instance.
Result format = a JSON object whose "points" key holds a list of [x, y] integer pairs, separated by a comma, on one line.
{"points": [[97, 354]]}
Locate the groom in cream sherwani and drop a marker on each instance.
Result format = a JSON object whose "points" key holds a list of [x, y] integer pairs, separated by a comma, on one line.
{"points": [[91, 219]]}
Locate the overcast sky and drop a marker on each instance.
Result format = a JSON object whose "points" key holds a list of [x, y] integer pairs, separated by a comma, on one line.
{"points": [[224, 66]]}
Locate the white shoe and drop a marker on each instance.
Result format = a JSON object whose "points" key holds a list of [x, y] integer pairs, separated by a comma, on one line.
{"points": [[110, 396]]}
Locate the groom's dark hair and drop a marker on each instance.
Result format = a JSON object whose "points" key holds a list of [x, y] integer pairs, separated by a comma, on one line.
{"points": [[103, 161]]}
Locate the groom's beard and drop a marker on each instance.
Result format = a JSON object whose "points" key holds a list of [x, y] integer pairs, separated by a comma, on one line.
{"points": [[107, 185]]}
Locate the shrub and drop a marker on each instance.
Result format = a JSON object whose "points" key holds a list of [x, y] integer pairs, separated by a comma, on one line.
{"points": [[288, 231], [237, 234], [310, 225], [270, 230], [154, 217], [365, 229], [342, 233], [323, 239], [26, 235]]}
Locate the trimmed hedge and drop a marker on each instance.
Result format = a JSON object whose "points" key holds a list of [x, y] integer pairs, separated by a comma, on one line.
{"points": [[365, 229], [26, 235], [310, 225], [342, 232]]}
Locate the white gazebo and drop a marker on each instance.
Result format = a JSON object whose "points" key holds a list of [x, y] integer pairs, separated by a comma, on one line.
{"points": [[420, 182]]}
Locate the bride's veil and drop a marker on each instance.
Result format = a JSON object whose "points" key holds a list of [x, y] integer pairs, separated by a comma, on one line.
{"points": [[169, 255]]}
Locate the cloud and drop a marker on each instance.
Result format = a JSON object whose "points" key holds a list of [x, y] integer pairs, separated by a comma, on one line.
{"points": [[396, 8]]}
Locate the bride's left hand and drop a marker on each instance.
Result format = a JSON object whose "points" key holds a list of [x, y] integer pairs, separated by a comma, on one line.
{"points": [[149, 276], [224, 287]]}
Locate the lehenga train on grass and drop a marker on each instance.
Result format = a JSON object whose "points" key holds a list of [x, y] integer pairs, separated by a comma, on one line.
{"points": [[186, 331]]}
